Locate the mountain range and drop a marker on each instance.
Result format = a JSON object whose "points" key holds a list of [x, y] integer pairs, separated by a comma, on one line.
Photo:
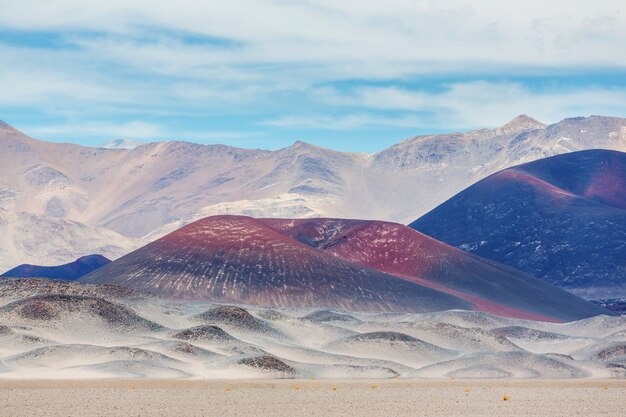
{"points": [[62, 201]]}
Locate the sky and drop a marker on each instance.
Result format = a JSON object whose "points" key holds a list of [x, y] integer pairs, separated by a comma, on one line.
{"points": [[352, 75]]}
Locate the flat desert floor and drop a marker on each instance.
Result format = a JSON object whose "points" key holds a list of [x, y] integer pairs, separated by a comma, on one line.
{"points": [[313, 398]]}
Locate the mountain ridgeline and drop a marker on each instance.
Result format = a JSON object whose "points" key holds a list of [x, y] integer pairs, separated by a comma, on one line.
{"points": [[68, 272], [111, 201]]}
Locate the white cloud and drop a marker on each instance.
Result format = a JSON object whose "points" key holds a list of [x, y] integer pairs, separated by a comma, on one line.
{"points": [[344, 122], [481, 103], [460, 33], [128, 130], [135, 57], [133, 130]]}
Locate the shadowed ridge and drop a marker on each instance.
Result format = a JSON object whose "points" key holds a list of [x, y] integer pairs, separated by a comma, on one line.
{"points": [[69, 272]]}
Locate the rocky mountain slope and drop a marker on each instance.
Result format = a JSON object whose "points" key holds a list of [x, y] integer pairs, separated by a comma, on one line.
{"points": [[114, 200], [561, 219]]}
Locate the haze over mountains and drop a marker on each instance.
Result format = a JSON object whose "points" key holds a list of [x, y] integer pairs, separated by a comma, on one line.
{"points": [[561, 219], [110, 201]]}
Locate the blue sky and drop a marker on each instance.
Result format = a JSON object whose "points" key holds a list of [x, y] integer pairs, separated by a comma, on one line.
{"points": [[351, 75]]}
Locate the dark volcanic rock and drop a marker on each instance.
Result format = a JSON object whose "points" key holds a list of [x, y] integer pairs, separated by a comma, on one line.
{"points": [[206, 333], [267, 363], [520, 332], [5, 330], [16, 288], [229, 314], [384, 337], [618, 370], [611, 352], [233, 316], [185, 348], [616, 305], [322, 316], [274, 315], [45, 308], [189, 349], [40, 308]]}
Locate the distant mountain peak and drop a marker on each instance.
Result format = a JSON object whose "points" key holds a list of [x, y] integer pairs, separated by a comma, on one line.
{"points": [[121, 144], [70, 271], [305, 147], [302, 145], [520, 123]]}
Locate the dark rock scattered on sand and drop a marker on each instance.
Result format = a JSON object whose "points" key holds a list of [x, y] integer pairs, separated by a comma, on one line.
{"points": [[14, 288], [611, 352], [236, 317], [205, 332], [383, 337], [520, 332], [5, 330], [617, 305], [267, 363], [46, 308], [322, 316], [273, 315]]}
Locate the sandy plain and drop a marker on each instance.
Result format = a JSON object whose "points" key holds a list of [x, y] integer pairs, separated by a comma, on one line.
{"points": [[313, 398]]}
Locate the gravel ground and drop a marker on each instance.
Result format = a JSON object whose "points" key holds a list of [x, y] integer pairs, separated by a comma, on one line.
{"points": [[294, 398]]}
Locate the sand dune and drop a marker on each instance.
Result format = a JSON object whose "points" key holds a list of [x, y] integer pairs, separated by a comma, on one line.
{"points": [[71, 330], [505, 365]]}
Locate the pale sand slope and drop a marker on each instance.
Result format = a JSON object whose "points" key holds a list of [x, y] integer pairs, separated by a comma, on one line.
{"points": [[313, 398]]}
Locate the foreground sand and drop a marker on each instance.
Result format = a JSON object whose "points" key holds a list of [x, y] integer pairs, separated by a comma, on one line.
{"points": [[314, 398]]}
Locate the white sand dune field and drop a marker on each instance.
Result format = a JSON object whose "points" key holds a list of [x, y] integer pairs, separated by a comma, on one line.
{"points": [[61, 330]]}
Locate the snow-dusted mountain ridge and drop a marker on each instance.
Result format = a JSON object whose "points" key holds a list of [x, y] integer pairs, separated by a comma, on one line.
{"points": [[114, 200]]}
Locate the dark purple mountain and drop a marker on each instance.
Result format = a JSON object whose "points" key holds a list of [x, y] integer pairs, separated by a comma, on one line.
{"points": [[617, 305], [69, 272], [561, 219]]}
